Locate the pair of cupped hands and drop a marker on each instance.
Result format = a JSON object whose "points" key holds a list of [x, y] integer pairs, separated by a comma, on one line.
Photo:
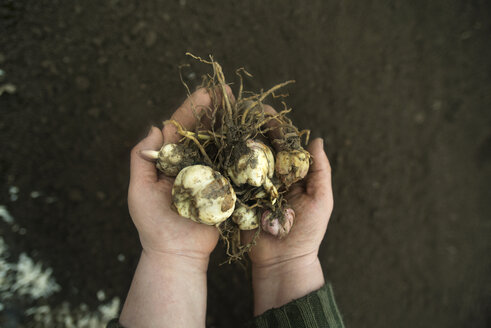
{"points": [[163, 232]]}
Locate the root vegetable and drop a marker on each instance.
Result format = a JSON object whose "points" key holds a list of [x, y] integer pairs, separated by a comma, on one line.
{"points": [[278, 223], [245, 217], [203, 195], [292, 165], [255, 167], [172, 158]]}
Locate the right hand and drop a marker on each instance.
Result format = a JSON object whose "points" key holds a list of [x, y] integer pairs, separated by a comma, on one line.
{"points": [[161, 229]]}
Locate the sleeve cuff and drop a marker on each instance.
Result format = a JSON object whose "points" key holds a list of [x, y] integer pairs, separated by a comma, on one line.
{"points": [[317, 309]]}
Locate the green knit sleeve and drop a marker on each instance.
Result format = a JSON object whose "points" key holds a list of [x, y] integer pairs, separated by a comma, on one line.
{"points": [[315, 310]]}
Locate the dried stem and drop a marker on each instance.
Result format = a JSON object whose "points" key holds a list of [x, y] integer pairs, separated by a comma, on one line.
{"points": [[263, 96]]}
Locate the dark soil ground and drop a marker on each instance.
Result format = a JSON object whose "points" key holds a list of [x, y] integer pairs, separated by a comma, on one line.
{"points": [[400, 90]]}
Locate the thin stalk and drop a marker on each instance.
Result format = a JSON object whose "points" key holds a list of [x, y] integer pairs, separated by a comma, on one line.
{"points": [[263, 96], [191, 136]]}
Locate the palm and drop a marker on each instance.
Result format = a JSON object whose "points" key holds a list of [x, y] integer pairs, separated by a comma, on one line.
{"points": [[307, 234], [312, 202], [161, 228]]}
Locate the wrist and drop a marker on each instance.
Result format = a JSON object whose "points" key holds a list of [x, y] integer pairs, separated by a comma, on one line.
{"points": [[280, 283], [177, 261], [277, 268], [167, 290]]}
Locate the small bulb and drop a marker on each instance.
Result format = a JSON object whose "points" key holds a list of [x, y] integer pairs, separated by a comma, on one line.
{"points": [[278, 224], [172, 158], [255, 167], [203, 195], [292, 166], [245, 217]]}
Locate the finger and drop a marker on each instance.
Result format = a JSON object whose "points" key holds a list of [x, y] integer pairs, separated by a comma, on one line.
{"points": [[142, 170], [318, 180], [196, 105]]}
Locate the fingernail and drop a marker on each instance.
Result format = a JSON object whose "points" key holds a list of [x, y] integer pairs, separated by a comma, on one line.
{"points": [[323, 144]]}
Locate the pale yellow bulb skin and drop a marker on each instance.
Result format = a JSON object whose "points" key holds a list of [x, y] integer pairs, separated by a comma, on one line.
{"points": [[245, 217], [254, 167], [172, 158], [270, 157], [292, 166], [203, 195]]}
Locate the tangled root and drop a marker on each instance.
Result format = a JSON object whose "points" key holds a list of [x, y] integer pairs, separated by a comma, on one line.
{"points": [[233, 122]]}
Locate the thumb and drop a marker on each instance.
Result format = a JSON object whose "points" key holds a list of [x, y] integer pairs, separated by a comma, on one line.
{"points": [[143, 170], [319, 177]]}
